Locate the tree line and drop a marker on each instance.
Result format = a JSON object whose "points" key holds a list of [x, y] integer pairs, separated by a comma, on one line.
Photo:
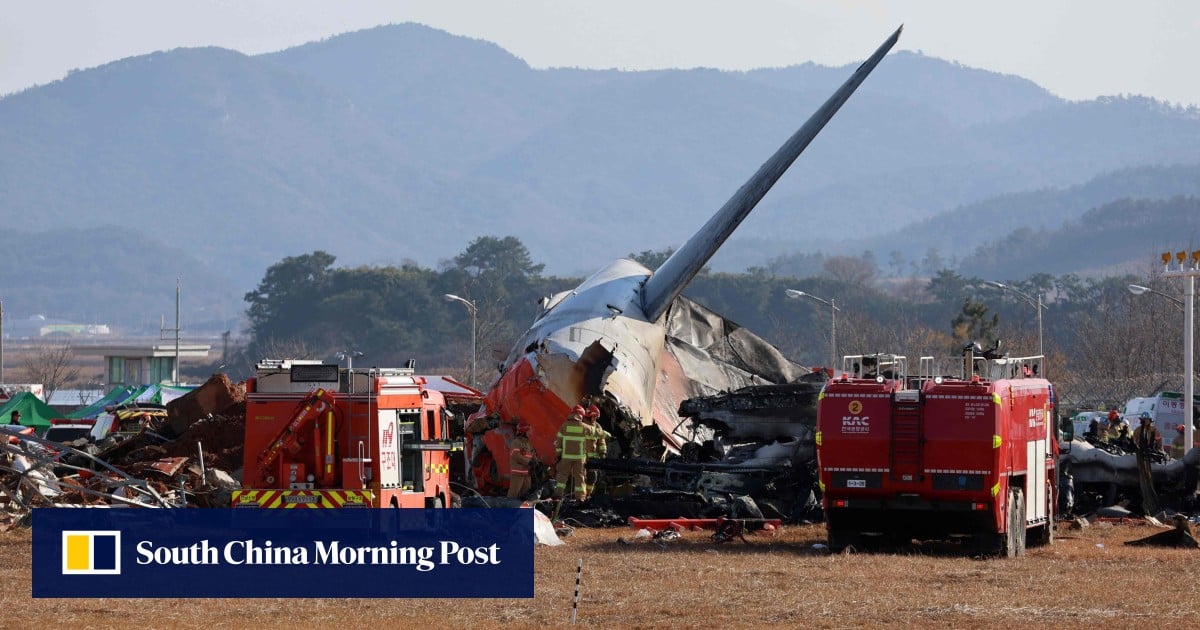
{"points": [[305, 306]]}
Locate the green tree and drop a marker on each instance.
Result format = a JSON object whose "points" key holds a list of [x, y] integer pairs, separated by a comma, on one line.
{"points": [[282, 306], [947, 287], [504, 258], [973, 324]]}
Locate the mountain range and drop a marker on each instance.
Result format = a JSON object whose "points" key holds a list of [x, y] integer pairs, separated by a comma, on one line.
{"points": [[404, 143]]}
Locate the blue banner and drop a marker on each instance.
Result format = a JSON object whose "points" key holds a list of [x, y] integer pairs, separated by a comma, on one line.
{"points": [[282, 553]]}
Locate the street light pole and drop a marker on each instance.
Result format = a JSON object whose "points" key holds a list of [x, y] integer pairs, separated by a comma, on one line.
{"points": [[1138, 289], [833, 309], [162, 329], [450, 297], [1189, 323], [348, 357], [1037, 304]]}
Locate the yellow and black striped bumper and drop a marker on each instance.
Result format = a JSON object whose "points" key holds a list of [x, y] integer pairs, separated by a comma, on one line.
{"points": [[302, 498]]}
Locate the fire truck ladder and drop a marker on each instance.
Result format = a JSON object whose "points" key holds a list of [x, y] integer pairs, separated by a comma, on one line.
{"points": [[906, 438], [289, 437]]}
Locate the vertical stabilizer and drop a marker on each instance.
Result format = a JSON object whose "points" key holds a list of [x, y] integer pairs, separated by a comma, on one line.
{"points": [[665, 284]]}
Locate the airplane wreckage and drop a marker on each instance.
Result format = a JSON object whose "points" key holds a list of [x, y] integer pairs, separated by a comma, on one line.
{"points": [[706, 418], [667, 374]]}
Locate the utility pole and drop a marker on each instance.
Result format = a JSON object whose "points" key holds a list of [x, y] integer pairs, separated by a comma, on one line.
{"points": [[162, 330], [2, 342], [1188, 273]]}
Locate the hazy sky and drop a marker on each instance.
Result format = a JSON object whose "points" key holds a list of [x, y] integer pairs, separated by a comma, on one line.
{"points": [[1077, 49]]}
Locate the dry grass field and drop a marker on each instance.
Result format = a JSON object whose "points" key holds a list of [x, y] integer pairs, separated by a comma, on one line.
{"points": [[773, 581]]}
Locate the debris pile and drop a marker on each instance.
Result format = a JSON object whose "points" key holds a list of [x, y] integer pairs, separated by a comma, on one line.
{"points": [[1093, 478], [189, 454]]}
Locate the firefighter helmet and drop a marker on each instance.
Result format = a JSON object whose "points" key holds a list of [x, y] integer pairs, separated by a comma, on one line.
{"points": [[1179, 428], [1145, 416], [578, 411], [593, 411]]}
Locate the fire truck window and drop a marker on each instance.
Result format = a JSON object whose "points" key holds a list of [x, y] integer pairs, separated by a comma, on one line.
{"points": [[430, 422]]}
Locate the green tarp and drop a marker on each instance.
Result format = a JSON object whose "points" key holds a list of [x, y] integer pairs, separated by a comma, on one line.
{"points": [[34, 412], [117, 394], [157, 394]]}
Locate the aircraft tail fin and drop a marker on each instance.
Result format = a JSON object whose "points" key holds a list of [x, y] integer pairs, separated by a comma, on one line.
{"points": [[665, 284]]}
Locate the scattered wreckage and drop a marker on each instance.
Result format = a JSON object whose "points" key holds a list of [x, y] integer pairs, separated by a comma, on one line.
{"points": [[150, 456], [1094, 476]]}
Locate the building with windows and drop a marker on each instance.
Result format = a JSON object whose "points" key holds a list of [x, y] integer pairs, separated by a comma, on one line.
{"points": [[148, 364]]}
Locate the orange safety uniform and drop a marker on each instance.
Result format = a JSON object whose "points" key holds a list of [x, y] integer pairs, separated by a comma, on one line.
{"points": [[519, 457], [571, 445], [1178, 448]]}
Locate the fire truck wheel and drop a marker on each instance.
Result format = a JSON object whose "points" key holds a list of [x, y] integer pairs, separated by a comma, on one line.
{"points": [[435, 503], [839, 540], [1014, 541]]}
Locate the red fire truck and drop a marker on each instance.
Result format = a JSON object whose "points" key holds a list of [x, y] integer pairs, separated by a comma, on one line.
{"points": [[966, 449], [321, 436]]}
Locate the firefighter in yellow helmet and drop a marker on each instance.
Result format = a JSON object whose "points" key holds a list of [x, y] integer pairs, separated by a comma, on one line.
{"points": [[571, 445]]}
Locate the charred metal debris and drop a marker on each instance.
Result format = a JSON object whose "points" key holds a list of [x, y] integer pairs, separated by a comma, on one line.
{"points": [[186, 454]]}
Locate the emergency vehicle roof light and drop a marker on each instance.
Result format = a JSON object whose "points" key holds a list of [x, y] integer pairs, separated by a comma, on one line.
{"points": [[937, 379], [879, 379]]}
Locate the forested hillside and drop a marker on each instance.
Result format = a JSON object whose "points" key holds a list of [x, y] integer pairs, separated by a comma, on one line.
{"points": [[404, 143]]}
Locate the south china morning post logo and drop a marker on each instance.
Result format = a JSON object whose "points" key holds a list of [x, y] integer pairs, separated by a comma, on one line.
{"points": [[91, 552], [278, 553]]}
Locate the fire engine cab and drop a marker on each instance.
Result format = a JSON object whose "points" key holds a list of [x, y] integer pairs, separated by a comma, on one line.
{"points": [[966, 449], [321, 436]]}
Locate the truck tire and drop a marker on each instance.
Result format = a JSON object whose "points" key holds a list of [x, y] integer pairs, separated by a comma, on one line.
{"points": [[838, 540], [435, 503], [1014, 540]]}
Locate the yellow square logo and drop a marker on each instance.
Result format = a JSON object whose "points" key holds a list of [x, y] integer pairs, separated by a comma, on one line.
{"points": [[91, 552]]}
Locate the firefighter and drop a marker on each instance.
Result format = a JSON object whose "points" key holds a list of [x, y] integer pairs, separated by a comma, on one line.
{"points": [[597, 444], [1178, 446], [1118, 429], [520, 457], [571, 447], [1146, 437], [1094, 434], [1146, 441]]}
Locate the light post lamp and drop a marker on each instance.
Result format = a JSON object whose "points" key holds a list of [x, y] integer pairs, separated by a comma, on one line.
{"points": [[1188, 271], [1138, 289], [348, 357], [1035, 303], [833, 309], [450, 297]]}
